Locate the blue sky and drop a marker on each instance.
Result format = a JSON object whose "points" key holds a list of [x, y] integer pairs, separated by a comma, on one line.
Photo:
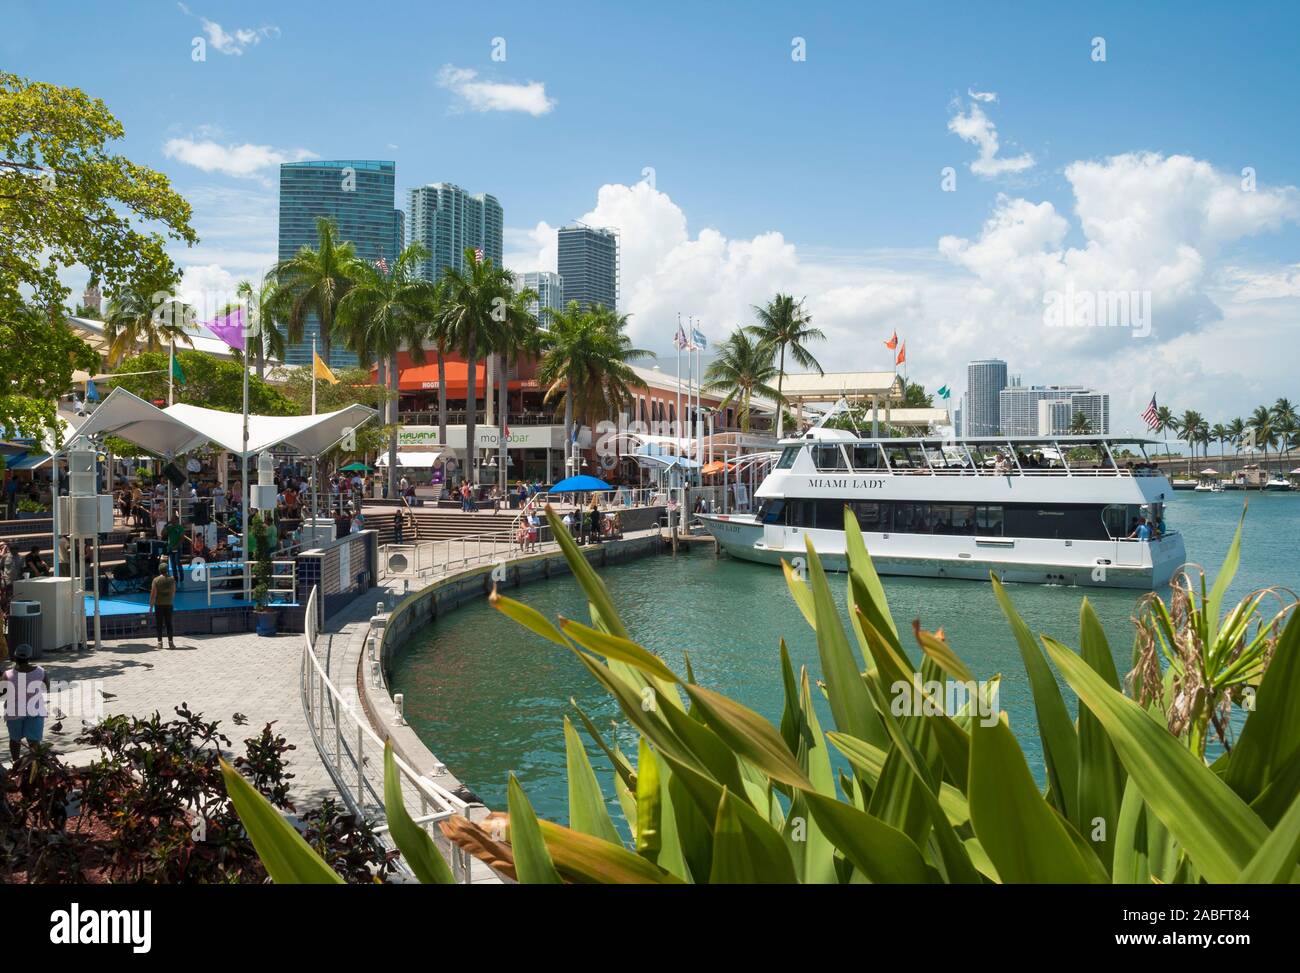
{"points": [[821, 176]]}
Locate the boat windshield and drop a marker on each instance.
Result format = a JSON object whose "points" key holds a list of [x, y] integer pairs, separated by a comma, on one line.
{"points": [[788, 456]]}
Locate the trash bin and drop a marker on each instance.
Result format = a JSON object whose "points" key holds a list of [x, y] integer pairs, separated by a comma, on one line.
{"points": [[25, 626]]}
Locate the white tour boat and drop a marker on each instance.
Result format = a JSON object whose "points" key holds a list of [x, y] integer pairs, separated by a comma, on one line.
{"points": [[1044, 510]]}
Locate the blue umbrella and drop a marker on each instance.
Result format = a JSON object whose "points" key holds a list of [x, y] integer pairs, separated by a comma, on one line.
{"points": [[580, 484]]}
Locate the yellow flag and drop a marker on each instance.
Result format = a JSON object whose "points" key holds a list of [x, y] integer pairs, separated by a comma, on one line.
{"points": [[321, 370]]}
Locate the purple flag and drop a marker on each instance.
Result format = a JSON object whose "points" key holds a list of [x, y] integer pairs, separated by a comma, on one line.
{"points": [[229, 328]]}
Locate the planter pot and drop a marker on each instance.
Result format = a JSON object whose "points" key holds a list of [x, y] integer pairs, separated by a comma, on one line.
{"points": [[32, 514], [267, 621]]}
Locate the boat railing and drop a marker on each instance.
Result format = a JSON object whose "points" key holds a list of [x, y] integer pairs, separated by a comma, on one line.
{"points": [[990, 471]]}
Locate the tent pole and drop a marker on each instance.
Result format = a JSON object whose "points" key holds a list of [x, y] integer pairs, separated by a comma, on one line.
{"points": [[244, 503]]}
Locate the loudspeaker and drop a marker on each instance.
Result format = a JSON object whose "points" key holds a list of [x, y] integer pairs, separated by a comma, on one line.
{"points": [[174, 474]]}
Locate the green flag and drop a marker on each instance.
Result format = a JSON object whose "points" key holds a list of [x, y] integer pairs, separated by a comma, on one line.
{"points": [[944, 392], [177, 374]]}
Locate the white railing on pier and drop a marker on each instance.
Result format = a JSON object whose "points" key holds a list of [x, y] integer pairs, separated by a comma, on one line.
{"points": [[348, 745]]}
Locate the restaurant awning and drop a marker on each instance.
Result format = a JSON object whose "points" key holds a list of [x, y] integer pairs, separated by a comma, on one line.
{"points": [[424, 378], [182, 428], [412, 459]]}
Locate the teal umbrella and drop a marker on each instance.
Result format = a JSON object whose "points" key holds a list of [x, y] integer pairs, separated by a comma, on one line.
{"points": [[356, 468]]}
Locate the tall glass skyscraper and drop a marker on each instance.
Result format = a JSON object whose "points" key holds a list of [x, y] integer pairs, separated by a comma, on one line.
{"points": [[984, 380], [588, 262], [550, 293], [358, 195], [447, 220]]}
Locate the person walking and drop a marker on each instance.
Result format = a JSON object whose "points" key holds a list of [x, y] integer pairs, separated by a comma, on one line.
{"points": [[25, 700], [162, 601]]}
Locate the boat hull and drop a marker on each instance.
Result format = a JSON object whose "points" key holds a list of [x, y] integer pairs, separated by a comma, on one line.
{"points": [[1107, 564]]}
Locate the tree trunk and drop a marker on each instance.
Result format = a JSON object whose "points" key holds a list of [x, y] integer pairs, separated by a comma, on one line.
{"points": [[471, 408], [395, 382], [503, 421], [780, 405], [569, 450], [442, 411]]}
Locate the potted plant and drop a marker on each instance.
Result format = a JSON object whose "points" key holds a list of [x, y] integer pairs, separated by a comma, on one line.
{"points": [[263, 573], [29, 509]]}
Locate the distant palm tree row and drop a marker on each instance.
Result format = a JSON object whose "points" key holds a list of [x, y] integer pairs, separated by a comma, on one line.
{"points": [[1275, 427], [377, 309]]}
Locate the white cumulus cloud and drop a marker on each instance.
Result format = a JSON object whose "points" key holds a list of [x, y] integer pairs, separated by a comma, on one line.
{"points": [[233, 42], [978, 129], [529, 97], [245, 161]]}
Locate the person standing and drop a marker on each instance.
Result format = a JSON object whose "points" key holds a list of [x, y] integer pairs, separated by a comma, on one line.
{"points": [[8, 572], [162, 600], [174, 537], [25, 689]]}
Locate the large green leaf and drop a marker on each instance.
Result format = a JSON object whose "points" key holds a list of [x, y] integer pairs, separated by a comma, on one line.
{"points": [[587, 860], [771, 857], [605, 616], [850, 704], [621, 767], [1024, 838], [1101, 775], [1215, 828], [1130, 864], [749, 735], [533, 864], [739, 851], [288, 859], [1214, 602], [1272, 731], [869, 761], [862, 568], [1275, 862], [1055, 728], [530, 618], [614, 647], [883, 854], [587, 810], [412, 841]]}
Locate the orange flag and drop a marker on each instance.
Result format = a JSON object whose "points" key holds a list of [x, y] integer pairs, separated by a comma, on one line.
{"points": [[892, 343], [902, 354]]}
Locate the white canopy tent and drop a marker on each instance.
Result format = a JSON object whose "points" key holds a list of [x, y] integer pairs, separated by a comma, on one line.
{"points": [[181, 428]]}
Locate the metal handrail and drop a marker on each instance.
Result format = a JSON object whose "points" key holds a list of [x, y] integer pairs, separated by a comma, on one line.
{"points": [[322, 702]]}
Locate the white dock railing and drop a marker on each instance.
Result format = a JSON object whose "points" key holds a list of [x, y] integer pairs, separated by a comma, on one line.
{"points": [[349, 746]]}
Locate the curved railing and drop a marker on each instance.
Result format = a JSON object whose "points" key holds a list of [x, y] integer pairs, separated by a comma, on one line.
{"points": [[353, 753]]}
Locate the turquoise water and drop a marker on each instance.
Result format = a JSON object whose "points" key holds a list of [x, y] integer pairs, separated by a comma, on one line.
{"points": [[489, 697]]}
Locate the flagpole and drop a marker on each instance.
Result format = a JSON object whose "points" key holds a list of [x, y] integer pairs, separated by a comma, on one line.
{"points": [[315, 469], [244, 503], [171, 400], [677, 432]]}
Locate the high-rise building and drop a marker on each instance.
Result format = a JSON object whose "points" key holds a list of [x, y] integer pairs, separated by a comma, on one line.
{"points": [[985, 379], [1095, 407], [448, 220], [956, 422], [1018, 406], [358, 195], [588, 262], [550, 293], [1054, 417]]}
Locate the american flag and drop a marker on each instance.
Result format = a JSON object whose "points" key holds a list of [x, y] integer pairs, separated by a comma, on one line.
{"points": [[1150, 417], [382, 264], [478, 254], [680, 339]]}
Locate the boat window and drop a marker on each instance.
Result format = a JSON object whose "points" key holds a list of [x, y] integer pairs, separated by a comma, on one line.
{"points": [[1115, 517], [871, 516], [911, 518], [961, 519], [829, 458], [865, 457], [772, 511], [788, 456], [905, 458], [988, 521], [830, 514]]}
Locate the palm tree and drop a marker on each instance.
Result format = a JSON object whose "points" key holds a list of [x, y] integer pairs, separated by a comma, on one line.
{"points": [[1262, 431], [439, 336], [384, 309], [783, 324], [1286, 420], [315, 282], [469, 298], [144, 318], [266, 302], [585, 358], [1164, 422], [515, 334], [1219, 433], [744, 368], [1080, 425], [1236, 433], [1189, 430]]}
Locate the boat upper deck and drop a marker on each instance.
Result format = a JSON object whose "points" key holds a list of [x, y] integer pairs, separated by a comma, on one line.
{"points": [[840, 451]]}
